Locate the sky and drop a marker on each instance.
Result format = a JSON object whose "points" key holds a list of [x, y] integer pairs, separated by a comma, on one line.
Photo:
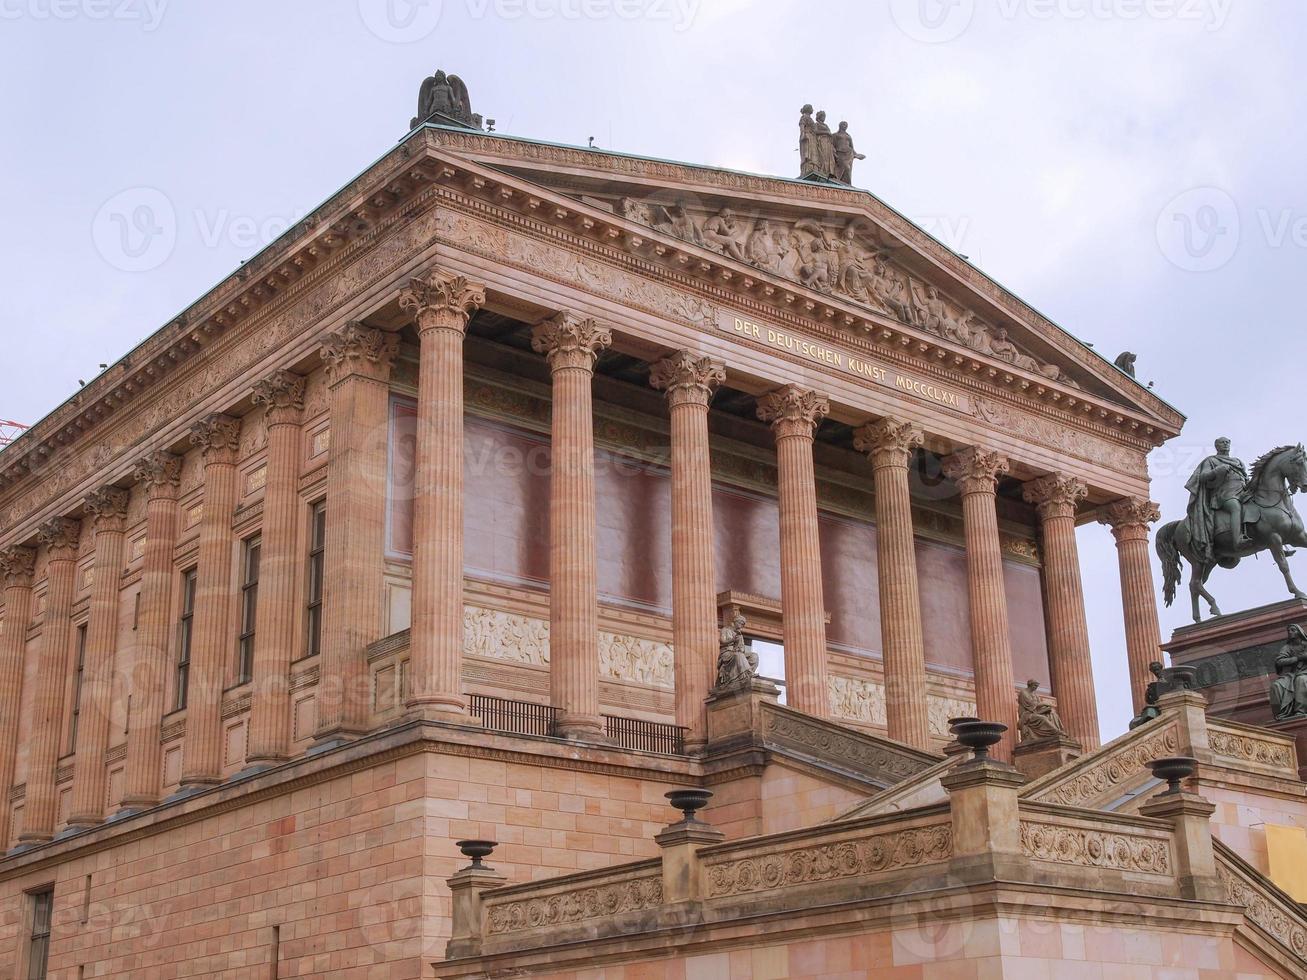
{"points": [[1132, 168]]}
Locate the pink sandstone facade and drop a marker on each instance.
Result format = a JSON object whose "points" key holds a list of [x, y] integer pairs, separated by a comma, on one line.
{"points": [[421, 528]]}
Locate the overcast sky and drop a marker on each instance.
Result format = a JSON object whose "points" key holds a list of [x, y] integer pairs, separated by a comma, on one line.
{"points": [[1132, 168]]}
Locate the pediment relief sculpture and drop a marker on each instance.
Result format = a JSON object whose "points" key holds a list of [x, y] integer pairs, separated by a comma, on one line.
{"points": [[841, 261]]}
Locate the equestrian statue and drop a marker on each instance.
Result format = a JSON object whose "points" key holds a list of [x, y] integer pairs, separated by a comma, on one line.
{"points": [[1234, 514]]}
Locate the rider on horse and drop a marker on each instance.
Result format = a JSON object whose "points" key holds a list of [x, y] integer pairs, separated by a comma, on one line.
{"points": [[1217, 485]]}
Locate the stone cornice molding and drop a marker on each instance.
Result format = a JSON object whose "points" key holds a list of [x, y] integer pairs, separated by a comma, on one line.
{"points": [[890, 442], [109, 506], [219, 438], [975, 470], [687, 377], [440, 301], [1055, 495], [283, 394], [357, 350], [1130, 517], [60, 536], [570, 342], [17, 565], [793, 411], [160, 472]]}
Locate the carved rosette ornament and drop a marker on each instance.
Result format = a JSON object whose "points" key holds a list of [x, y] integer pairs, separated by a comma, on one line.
{"points": [[283, 394], [888, 441], [218, 437], [1129, 517], [356, 349], [160, 472], [976, 470], [60, 536], [793, 411], [109, 507], [17, 565], [1055, 495], [687, 377], [570, 341], [442, 301]]}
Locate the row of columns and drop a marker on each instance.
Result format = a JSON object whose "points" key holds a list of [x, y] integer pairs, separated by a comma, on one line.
{"points": [[359, 361]]}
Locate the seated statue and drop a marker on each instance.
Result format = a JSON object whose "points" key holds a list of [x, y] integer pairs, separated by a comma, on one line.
{"points": [[1151, 694], [1036, 718], [737, 664], [1289, 689]]}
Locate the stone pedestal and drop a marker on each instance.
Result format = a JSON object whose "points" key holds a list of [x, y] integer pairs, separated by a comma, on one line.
{"points": [[737, 715], [1043, 755], [1194, 856], [682, 870], [465, 889], [986, 820]]}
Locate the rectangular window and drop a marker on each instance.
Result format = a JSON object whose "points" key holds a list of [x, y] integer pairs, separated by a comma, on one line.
{"points": [[184, 632], [77, 687], [317, 546], [38, 948], [249, 607]]}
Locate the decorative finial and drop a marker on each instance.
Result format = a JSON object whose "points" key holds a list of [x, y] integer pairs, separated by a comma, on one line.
{"points": [[476, 850], [689, 801]]}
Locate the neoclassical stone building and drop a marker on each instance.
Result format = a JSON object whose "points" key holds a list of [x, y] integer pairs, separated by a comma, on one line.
{"points": [[421, 528]]}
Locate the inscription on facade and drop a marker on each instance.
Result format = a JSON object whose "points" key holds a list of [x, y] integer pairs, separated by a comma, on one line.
{"points": [[854, 364]]}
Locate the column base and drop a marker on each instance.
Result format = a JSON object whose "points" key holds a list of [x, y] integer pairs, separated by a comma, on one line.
{"points": [[580, 728], [80, 823], [444, 712], [333, 738], [33, 840]]}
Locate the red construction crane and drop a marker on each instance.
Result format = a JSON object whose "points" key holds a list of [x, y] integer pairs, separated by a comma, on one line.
{"points": [[9, 431]]}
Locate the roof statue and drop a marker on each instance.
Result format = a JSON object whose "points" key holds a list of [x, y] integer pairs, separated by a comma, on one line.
{"points": [[444, 99], [1234, 514], [1126, 362], [823, 154]]}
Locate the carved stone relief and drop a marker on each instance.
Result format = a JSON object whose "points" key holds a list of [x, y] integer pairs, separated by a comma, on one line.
{"points": [[1095, 849], [855, 699]]}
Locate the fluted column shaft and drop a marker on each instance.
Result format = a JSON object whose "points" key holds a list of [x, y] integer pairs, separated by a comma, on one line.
{"points": [[143, 777], [442, 305], [218, 437], [689, 381], [1129, 520], [59, 537], [109, 507], [794, 413], [890, 443], [1055, 497], [571, 345], [16, 565], [358, 362], [279, 564], [976, 472]]}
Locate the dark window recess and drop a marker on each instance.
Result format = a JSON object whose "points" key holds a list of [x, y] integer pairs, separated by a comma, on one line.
{"points": [[317, 548], [184, 633], [77, 688], [249, 609], [38, 949]]}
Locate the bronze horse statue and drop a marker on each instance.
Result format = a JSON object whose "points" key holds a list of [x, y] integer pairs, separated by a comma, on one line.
{"points": [[1270, 518]]}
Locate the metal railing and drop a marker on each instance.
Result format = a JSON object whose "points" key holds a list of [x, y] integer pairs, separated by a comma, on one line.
{"points": [[528, 718]]}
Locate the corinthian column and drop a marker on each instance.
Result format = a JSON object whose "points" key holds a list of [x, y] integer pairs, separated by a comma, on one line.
{"points": [[159, 473], [794, 413], [218, 438], [16, 566], [690, 381], [890, 443], [1055, 497], [1129, 519], [976, 472], [441, 305], [59, 537], [279, 563], [109, 507], [358, 361], [572, 344]]}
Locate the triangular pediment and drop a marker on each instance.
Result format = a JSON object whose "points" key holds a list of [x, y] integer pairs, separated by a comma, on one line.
{"points": [[830, 240]]}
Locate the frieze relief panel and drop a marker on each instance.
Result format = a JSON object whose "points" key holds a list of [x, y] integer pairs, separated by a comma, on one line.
{"points": [[1108, 850], [582, 904], [1267, 911], [1241, 747], [940, 709], [1106, 774], [858, 700]]}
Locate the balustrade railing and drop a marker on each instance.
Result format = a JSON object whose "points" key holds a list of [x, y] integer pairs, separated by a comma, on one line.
{"points": [[528, 718]]}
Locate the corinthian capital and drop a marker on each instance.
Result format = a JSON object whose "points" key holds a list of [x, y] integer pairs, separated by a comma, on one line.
{"points": [[218, 436], [793, 411], [1055, 495], [888, 441], [687, 377], [109, 507], [975, 470], [59, 536], [440, 300], [283, 394], [570, 341], [1130, 517], [355, 349], [160, 472], [17, 565]]}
